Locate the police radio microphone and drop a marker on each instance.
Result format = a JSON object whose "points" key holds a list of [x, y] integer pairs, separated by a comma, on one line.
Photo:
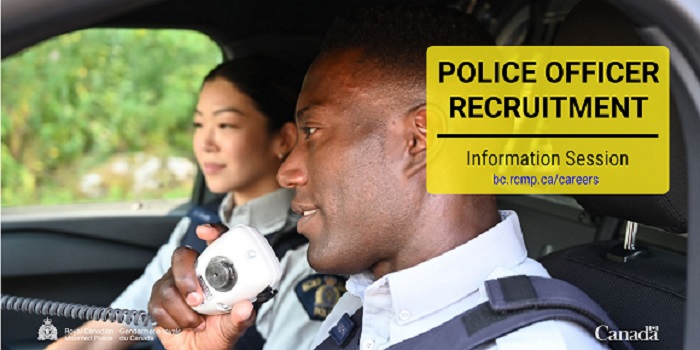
{"points": [[239, 265]]}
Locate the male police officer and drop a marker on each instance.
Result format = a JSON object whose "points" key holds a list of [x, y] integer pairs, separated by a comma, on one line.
{"points": [[416, 260]]}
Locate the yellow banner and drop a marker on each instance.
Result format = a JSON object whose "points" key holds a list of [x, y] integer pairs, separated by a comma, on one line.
{"points": [[548, 120]]}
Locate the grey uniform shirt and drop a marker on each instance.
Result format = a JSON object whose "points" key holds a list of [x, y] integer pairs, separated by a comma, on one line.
{"points": [[282, 321]]}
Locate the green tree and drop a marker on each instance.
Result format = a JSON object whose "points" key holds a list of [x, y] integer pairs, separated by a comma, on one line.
{"points": [[71, 102]]}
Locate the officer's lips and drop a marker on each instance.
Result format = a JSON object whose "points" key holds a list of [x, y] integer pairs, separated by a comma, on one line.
{"points": [[307, 212], [310, 212]]}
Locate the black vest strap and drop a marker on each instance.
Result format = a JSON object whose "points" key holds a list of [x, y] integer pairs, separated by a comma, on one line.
{"points": [[514, 302], [284, 241]]}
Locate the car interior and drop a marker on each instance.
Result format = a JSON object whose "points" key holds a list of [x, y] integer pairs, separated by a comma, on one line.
{"points": [[636, 255], [657, 275]]}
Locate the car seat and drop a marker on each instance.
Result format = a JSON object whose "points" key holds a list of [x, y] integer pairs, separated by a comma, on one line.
{"points": [[638, 286]]}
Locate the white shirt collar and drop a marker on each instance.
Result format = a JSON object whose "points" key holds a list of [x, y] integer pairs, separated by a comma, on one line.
{"points": [[449, 277], [267, 213]]}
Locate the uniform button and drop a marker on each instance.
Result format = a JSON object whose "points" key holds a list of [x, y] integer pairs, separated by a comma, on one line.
{"points": [[369, 344], [404, 315]]}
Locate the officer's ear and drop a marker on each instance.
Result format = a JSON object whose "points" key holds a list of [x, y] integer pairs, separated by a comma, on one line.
{"points": [[418, 143], [416, 139], [284, 140]]}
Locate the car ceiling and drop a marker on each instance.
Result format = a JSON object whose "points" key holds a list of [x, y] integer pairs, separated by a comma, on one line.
{"points": [[25, 23]]}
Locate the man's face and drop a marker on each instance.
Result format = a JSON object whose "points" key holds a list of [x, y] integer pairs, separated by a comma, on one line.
{"points": [[344, 167]]}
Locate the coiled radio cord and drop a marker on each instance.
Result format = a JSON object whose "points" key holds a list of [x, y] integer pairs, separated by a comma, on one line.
{"points": [[76, 311]]}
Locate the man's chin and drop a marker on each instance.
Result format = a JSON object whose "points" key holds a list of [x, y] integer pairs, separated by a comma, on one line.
{"points": [[321, 264], [330, 263]]}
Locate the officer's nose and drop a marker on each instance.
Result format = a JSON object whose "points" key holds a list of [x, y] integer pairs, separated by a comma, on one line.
{"points": [[210, 143], [204, 139], [208, 139], [292, 172]]}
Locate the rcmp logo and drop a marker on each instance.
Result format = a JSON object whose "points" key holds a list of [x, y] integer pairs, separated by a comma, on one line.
{"points": [[319, 293], [47, 331]]}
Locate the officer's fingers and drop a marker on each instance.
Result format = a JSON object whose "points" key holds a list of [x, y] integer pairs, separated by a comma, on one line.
{"points": [[166, 336], [210, 232], [161, 317], [181, 313], [184, 276], [241, 317], [168, 308]]}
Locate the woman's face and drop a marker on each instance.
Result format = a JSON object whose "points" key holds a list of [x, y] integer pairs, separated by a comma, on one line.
{"points": [[231, 141]]}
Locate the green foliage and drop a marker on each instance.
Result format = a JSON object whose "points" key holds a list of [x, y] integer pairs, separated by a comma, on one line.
{"points": [[72, 102]]}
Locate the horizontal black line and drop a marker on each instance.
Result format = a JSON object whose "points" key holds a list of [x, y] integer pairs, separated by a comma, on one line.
{"points": [[548, 136]]}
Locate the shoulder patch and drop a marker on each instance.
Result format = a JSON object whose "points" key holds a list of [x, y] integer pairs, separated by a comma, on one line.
{"points": [[318, 294]]}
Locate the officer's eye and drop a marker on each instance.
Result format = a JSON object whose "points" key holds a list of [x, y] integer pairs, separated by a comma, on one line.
{"points": [[227, 126], [308, 131]]}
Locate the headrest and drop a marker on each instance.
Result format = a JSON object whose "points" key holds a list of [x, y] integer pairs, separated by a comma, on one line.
{"points": [[596, 23]]}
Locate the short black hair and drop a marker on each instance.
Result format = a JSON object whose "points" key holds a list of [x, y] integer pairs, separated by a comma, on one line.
{"points": [[273, 85], [396, 37]]}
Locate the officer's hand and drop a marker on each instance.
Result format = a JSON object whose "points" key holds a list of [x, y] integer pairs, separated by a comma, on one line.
{"points": [[210, 232], [171, 304]]}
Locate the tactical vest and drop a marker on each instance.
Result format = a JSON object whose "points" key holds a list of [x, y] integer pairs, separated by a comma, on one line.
{"points": [[514, 302], [281, 242]]}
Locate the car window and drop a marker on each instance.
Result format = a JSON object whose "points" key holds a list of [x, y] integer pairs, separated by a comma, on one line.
{"points": [[102, 115]]}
